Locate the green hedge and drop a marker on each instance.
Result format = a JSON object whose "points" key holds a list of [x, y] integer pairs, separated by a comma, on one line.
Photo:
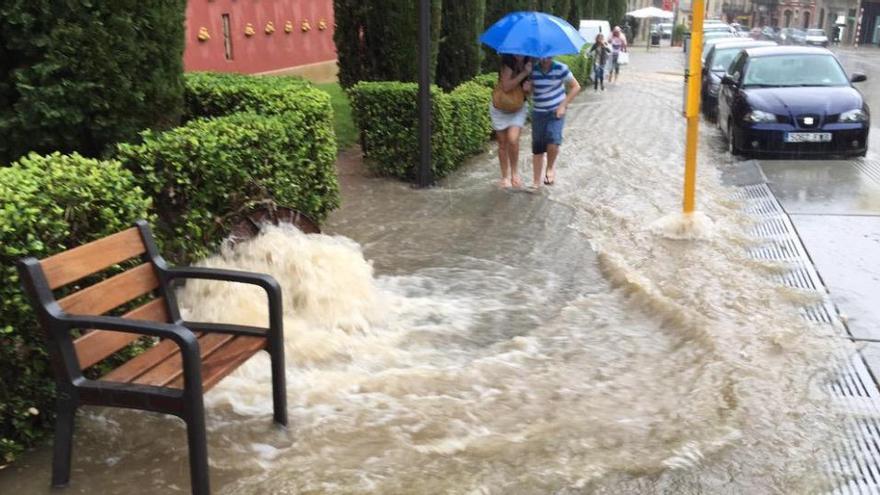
{"points": [[84, 75], [47, 204], [581, 65], [206, 172], [214, 94], [387, 115]]}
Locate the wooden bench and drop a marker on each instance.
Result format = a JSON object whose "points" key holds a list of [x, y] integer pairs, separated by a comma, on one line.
{"points": [[170, 377]]}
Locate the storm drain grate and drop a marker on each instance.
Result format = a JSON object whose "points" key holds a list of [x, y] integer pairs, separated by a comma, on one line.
{"points": [[855, 468], [870, 168]]}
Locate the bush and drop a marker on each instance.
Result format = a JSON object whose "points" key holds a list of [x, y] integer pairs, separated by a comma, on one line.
{"points": [[387, 116], [47, 204], [81, 76], [214, 94], [488, 80], [460, 54], [211, 170], [581, 65]]}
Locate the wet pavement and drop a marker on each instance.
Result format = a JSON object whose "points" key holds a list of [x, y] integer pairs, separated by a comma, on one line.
{"points": [[466, 339]]}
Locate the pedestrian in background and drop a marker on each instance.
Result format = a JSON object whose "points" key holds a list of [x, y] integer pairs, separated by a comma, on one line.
{"points": [[553, 87], [618, 46], [600, 51], [508, 113]]}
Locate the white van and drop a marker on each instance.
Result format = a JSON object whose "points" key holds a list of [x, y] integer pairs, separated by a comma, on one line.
{"points": [[591, 27]]}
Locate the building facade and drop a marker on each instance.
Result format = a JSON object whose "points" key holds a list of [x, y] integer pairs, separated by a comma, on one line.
{"points": [[260, 36], [869, 30]]}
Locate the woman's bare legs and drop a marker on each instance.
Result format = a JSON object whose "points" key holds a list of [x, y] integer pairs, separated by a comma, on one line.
{"points": [[513, 155], [503, 159]]}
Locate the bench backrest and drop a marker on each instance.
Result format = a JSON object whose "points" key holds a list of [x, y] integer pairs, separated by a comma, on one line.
{"points": [[65, 268]]}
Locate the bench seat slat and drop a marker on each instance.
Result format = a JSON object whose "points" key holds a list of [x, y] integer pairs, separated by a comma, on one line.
{"points": [[74, 264], [96, 345], [172, 366], [161, 365], [225, 360], [113, 292]]}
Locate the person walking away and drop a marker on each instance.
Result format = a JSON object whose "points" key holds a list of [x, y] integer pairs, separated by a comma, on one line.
{"points": [[550, 80], [508, 122], [601, 52], [618, 45]]}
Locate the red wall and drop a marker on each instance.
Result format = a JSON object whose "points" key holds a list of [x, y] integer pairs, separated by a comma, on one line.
{"points": [[260, 52]]}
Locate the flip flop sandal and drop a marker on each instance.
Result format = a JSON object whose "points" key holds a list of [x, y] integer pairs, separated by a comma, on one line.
{"points": [[548, 182]]}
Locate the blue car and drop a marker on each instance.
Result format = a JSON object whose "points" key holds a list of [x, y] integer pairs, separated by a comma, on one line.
{"points": [[718, 59], [787, 100]]}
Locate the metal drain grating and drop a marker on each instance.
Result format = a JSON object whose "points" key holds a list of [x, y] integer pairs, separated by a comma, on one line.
{"points": [[870, 168], [855, 468]]}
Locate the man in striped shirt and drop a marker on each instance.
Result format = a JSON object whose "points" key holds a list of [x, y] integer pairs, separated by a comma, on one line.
{"points": [[549, 102]]}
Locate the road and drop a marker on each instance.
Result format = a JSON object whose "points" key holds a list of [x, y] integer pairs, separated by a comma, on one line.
{"points": [[835, 206]]}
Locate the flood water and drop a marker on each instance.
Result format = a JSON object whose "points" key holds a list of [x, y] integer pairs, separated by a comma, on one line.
{"points": [[471, 340]]}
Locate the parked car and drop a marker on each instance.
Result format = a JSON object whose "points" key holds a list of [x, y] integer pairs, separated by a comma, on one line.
{"points": [[785, 36], [792, 100], [718, 59], [708, 43], [769, 34], [798, 37], [718, 28], [816, 37]]}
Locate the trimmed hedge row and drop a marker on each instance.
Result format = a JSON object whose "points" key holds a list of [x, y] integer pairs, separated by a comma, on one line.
{"points": [[210, 170], [47, 204], [213, 94], [387, 116]]}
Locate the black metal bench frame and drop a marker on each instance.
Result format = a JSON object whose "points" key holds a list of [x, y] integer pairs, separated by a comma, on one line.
{"points": [[74, 390]]}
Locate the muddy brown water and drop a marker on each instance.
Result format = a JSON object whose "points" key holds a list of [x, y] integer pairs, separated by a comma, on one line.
{"points": [[466, 339]]}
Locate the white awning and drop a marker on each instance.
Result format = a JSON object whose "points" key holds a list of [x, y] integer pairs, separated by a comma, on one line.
{"points": [[652, 12]]}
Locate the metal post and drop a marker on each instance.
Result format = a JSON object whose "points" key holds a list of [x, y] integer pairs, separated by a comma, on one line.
{"points": [[692, 107], [423, 174]]}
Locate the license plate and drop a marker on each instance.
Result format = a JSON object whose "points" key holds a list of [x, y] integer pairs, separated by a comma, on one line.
{"points": [[808, 137]]}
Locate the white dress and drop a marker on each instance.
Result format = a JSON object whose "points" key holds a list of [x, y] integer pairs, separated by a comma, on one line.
{"points": [[502, 120]]}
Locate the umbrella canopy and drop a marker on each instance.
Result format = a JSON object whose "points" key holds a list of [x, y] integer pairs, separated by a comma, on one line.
{"points": [[533, 34], [651, 12]]}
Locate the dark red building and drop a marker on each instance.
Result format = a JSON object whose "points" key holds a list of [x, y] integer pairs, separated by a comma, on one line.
{"points": [[258, 36]]}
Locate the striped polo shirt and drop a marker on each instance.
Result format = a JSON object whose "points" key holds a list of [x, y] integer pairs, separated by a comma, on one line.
{"points": [[549, 87]]}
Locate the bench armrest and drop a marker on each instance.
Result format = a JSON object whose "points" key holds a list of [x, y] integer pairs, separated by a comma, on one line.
{"points": [[185, 339], [267, 282]]}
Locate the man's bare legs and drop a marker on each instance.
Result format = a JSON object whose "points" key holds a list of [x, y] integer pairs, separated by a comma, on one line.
{"points": [[538, 169], [552, 154]]}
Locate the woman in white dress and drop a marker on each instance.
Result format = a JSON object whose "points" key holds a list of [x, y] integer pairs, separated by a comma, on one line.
{"points": [[515, 71]]}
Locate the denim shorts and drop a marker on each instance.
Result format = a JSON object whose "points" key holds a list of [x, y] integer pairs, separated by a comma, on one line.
{"points": [[546, 129]]}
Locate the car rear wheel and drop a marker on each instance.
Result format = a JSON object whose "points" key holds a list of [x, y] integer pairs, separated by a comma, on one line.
{"points": [[732, 145]]}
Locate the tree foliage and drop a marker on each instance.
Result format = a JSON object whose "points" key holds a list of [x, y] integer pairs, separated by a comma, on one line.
{"points": [[377, 40], [460, 54], [82, 75]]}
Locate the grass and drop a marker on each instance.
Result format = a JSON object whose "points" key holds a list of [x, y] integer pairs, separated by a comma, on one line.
{"points": [[346, 132]]}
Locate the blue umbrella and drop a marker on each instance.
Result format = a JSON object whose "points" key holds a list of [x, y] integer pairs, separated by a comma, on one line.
{"points": [[534, 34]]}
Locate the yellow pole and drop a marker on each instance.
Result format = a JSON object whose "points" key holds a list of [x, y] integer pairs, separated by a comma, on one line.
{"points": [[692, 107]]}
